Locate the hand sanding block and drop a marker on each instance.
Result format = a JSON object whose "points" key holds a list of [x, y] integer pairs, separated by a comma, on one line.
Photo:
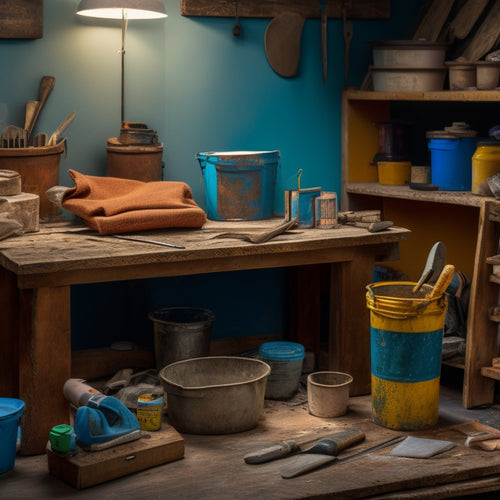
{"points": [[10, 182]]}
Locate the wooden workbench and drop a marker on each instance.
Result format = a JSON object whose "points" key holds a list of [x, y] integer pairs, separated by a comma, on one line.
{"points": [[38, 269]]}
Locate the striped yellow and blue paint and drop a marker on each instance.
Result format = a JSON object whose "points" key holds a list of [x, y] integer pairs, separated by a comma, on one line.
{"points": [[406, 334]]}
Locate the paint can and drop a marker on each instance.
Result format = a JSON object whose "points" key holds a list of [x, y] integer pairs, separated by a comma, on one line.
{"points": [[149, 410], [485, 164], [406, 336]]}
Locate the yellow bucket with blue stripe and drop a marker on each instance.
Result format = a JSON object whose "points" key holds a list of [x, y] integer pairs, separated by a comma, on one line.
{"points": [[406, 336]]}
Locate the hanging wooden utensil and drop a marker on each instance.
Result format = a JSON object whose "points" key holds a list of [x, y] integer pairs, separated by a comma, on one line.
{"points": [[59, 130], [30, 113], [324, 45], [347, 28], [46, 85], [282, 43]]}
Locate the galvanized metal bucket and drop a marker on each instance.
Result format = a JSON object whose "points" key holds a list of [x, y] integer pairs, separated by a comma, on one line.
{"points": [[181, 333]]}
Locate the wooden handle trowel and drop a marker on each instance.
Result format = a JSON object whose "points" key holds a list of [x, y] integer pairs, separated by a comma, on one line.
{"points": [[304, 463], [329, 446]]}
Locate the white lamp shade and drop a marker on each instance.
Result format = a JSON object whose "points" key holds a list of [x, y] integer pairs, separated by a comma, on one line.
{"points": [[114, 9]]}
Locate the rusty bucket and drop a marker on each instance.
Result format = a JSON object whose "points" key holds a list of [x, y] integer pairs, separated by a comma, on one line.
{"points": [[239, 185], [39, 169]]}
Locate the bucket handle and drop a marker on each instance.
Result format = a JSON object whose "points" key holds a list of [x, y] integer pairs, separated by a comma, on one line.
{"points": [[177, 391], [395, 315]]}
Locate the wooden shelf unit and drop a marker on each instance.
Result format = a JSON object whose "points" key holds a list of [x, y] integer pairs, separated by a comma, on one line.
{"points": [[468, 225]]}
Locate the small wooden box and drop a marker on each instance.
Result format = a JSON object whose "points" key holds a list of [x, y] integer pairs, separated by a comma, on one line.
{"points": [[88, 468]]}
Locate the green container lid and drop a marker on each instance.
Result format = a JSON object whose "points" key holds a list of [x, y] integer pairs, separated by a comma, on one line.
{"points": [[60, 438]]}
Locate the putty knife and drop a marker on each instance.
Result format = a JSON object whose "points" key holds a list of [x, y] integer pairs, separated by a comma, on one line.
{"points": [[306, 463]]}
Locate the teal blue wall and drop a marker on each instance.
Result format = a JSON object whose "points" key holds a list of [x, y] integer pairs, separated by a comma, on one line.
{"points": [[201, 89]]}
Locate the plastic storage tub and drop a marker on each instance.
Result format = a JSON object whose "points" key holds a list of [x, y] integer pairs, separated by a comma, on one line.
{"points": [[239, 185], [285, 360]]}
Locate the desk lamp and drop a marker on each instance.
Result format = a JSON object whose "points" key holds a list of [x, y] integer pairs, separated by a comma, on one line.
{"points": [[124, 10], [132, 134]]}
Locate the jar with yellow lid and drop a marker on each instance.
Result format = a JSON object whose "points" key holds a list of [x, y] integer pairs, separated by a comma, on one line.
{"points": [[485, 164]]}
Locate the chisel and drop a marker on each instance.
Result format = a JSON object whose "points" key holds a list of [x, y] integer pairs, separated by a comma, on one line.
{"points": [[337, 442]]}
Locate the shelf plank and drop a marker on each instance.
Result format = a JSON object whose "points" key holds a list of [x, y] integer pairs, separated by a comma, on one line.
{"points": [[465, 198], [354, 94], [490, 372], [361, 9]]}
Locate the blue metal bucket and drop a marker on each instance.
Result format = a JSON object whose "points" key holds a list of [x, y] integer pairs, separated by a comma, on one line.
{"points": [[239, 185]]}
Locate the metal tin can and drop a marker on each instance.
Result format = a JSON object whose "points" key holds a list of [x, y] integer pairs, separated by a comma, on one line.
{"points": [[149, 408], [485, 164]]}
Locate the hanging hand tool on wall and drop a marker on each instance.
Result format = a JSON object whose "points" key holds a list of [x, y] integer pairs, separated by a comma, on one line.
{"points": [[282, 43], [347, 29], [236, 28], [324, 50]]}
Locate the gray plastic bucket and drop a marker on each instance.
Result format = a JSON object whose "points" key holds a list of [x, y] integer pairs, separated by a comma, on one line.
{"points": [[181, 333]]}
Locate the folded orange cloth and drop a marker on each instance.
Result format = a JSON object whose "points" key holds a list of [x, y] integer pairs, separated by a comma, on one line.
{"points": [[112, 205]]}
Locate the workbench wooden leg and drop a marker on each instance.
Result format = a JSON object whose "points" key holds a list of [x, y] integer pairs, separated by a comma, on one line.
{"points": [[44, 363], [349, 340], [9, 335]]}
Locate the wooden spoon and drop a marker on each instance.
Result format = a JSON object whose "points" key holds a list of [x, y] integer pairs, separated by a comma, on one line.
{"points": [[46, 85]]}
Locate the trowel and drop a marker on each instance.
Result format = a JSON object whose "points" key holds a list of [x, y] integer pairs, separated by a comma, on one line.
{"points": [[436, 260], [328, 447]]}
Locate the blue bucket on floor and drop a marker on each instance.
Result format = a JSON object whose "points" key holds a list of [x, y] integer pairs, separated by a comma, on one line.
{"points": [[239, 185], [10, 413], [285, 360]]}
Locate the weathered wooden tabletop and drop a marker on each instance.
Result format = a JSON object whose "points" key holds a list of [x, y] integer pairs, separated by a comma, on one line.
{"points": [[63, 253]]}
